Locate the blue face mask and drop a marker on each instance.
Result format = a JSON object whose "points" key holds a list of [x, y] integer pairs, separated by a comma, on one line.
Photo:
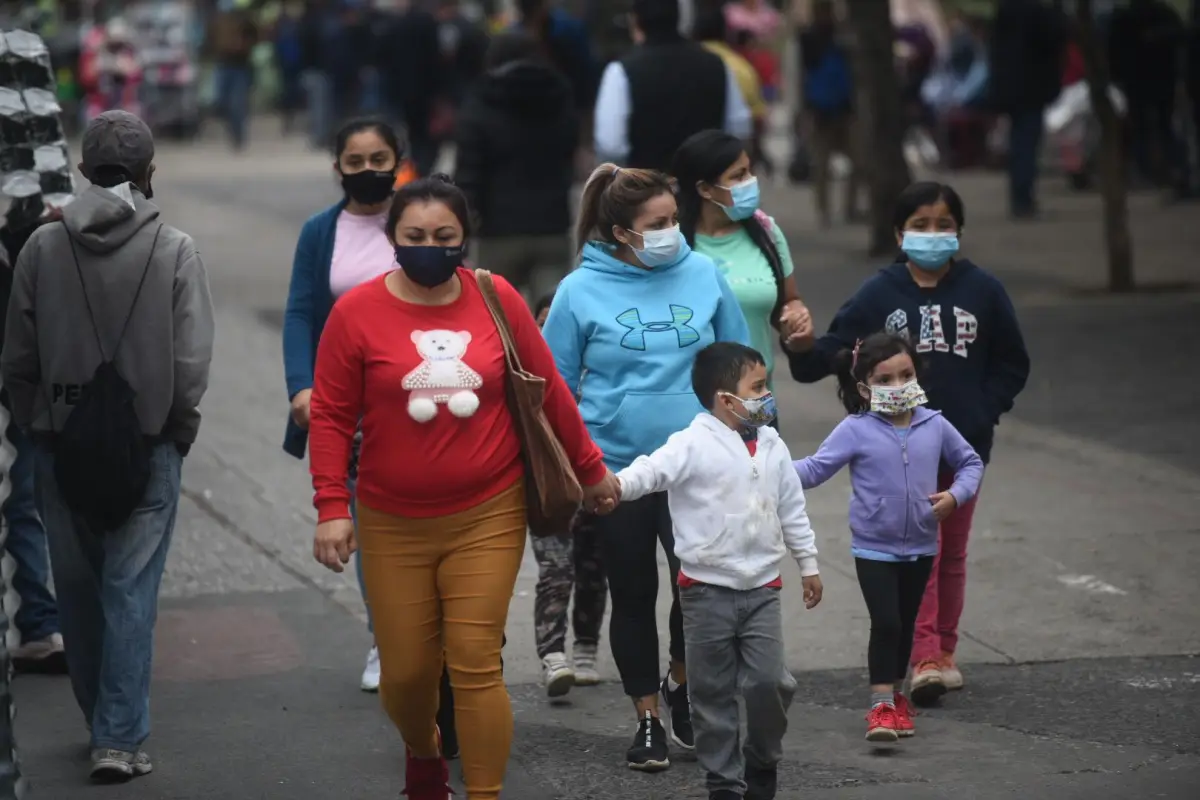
{"points": [[745, 199], [929, 250]]}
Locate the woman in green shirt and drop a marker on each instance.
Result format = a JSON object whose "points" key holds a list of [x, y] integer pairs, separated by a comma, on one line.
{"points": [[719, 217]]}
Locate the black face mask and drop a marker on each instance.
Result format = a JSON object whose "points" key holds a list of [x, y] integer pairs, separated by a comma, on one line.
{"points": [[369, 187], [429, 266]]}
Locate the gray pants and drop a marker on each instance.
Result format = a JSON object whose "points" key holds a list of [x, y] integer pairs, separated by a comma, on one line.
{"points": [[533, 264], [734, 643]]}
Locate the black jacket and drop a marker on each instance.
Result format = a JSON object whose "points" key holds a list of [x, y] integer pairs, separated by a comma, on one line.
{"points": [[676, 88], [516, 137], [1028, 43]]}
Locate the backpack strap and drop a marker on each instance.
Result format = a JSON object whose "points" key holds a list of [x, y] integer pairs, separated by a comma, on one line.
{"points": [[88, 303]]}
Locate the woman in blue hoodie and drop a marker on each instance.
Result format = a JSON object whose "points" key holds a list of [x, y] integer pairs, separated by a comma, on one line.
{"points": [[624, 329], [894, 448], [963, 325]]}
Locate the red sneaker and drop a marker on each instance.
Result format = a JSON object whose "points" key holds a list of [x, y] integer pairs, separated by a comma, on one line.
{"points": [[904, 714], [882, 724], [426, 778]]}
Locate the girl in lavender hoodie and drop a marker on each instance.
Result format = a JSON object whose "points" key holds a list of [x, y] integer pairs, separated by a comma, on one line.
{"points": [[893, 447]]}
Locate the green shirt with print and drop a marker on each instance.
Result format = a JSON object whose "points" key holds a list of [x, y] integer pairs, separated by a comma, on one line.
{"points": [[749, 275]]}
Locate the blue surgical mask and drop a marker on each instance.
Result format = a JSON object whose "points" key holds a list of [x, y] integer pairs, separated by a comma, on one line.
{"points": [[745, 199], [929, 250], [660, 248]]}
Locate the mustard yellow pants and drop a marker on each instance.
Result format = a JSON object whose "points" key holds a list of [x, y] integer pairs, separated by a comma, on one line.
{"points": [[440, 587]]}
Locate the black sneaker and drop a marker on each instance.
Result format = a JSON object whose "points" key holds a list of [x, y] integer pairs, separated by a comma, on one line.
{"points": [[679, 711], [649, 750], [761, 783]]}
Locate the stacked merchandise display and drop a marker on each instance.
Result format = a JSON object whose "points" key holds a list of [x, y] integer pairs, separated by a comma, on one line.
{"points": [[12, 784], [35, 174], [35, 170]]}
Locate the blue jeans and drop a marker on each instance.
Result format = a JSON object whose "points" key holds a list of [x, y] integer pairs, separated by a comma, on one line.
{"points": [[108, 592], [318, 90], [1024, 143], [233, 100], [352, 484], [37, 618]]}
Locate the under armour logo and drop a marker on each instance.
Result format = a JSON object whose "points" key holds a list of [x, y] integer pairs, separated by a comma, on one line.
{"points": [[636, 338]]}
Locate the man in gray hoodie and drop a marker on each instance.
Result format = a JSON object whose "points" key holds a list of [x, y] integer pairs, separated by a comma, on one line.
{"points": [[111, 272]]}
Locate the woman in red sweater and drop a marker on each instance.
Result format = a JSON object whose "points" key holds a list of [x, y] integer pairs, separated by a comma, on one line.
{"points": [[415, 355]]}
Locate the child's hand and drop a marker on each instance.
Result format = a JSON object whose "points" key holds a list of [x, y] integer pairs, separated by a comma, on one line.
{"points": [[943, 504], [604, 506], [812, 590]]}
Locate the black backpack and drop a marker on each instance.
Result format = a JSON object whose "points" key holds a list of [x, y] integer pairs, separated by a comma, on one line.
{"points": [[101, 456]]}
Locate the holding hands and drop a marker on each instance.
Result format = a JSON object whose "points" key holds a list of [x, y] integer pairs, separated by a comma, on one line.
{"points": [[601, 498], [796, 327]]}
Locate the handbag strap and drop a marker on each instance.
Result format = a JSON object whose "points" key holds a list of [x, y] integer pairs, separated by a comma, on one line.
{"points": [[487, 288]]}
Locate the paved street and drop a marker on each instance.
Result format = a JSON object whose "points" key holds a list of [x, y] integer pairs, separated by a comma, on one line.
{"points": [[1082, 626]]}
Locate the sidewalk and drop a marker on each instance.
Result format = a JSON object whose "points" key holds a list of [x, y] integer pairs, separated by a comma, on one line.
{"points": [[1082, 606]]}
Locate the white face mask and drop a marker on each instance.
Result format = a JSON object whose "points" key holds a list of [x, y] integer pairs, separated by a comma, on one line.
{"points": [[659, 247]]}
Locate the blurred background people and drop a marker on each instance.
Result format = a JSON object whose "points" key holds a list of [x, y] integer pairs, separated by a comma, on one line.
{"points": [[516, 139]]}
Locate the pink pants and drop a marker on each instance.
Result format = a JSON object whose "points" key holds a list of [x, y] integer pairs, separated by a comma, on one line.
{"points": [[941, 608]]}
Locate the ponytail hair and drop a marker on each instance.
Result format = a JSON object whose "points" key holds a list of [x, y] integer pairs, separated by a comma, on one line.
{"points": [[613, 196], [855, 365]]}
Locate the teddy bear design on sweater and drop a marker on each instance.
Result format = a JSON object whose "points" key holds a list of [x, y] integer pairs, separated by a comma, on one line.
{"points": [[442, 377]]}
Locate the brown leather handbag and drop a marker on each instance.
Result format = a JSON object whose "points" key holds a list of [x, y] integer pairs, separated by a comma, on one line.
{"points": [[553, 493]]}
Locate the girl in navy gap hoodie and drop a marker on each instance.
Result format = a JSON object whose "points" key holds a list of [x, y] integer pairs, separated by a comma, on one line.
{"points": [[964, 328]]}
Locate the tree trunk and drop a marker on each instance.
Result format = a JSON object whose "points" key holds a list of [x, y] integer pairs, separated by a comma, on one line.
{"points": [[880, 117], [1114, 189]]}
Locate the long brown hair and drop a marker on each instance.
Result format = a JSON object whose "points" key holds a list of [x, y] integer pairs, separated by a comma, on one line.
{"points": [[612, 196]]}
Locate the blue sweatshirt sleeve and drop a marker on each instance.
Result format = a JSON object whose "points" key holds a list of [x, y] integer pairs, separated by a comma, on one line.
{"points": [[962, 458], [838, 450], [299, 357], [1008, 360], [852, 322], [729, 323], [565, 338]]}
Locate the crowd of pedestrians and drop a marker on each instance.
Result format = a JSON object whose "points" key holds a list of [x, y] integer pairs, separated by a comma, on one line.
{"points": [[651, 332], [657, 351]]}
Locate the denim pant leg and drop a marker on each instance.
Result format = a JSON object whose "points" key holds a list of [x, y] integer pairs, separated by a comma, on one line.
{"points": [[108, 589], [352, 485], [37, 617], [233, 87], [1024, 144], [710, 633]]}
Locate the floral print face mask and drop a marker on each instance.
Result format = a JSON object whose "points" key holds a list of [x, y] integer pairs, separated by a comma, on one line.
{"points": [[893, 400]]}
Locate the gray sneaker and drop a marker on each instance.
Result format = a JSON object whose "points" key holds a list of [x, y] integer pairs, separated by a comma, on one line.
{"points": [[111, 766], [141, 764]]}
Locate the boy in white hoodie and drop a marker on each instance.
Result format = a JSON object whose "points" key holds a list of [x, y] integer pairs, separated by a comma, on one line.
{"points": [[738, 509]]}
